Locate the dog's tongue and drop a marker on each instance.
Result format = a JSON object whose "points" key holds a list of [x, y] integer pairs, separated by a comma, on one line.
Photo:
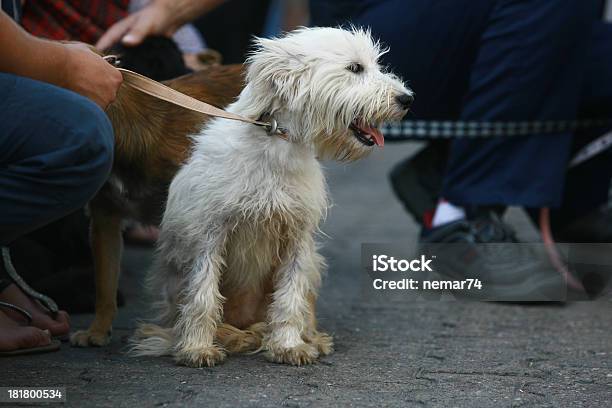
{"points": [[376, 134]]}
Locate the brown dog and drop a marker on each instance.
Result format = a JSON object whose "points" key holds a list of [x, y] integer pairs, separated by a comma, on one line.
{"points": [[151, 142]]}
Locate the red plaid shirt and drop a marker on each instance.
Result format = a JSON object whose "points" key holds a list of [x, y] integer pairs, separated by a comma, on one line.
{"points": [[75, 20]]}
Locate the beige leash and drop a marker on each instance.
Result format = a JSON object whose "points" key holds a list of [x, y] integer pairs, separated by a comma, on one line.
{"points": [[165, 93]]}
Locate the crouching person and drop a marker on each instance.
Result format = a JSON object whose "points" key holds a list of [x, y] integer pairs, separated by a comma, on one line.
{"points": [[56, 151]]}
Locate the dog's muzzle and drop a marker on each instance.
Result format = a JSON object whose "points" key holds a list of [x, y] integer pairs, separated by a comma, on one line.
{"points": [[405, 101], [367, 134]]}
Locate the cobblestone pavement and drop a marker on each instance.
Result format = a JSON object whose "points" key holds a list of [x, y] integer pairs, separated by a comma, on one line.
{"points": [[395, 352]]}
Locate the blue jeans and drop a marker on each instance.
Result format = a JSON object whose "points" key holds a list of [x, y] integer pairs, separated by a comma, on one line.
{"points": [[500, 60], [56, 151]]}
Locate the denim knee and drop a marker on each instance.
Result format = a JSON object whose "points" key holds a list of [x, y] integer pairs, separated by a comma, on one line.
{"points": [[94, 147]]}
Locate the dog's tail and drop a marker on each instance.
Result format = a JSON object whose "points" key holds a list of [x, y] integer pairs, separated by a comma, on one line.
{"points": [[151, 340]]}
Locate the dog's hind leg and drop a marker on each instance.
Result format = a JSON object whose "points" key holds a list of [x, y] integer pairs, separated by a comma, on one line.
{"points": [[236, 341], [289, 313], [107, 245]]}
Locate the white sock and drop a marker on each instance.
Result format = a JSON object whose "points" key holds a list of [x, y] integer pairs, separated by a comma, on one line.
{"points": [[447, 213]]}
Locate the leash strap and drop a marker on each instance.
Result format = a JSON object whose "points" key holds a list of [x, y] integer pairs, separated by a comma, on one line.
{"points": [[160, 91]]}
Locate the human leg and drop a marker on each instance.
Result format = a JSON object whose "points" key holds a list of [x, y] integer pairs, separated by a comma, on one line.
{"points": [[55, 152]]}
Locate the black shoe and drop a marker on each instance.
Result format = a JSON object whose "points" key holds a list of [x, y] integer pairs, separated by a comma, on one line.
{"points": [[485, 252], [484, 228]]}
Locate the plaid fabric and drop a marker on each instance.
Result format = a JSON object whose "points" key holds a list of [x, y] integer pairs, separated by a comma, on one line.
{"points": [[418, 129], [410, 130], [84, 20]]}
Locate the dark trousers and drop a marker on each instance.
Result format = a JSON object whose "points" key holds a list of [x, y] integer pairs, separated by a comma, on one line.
{"points": [[500, 60], [56, 151]]}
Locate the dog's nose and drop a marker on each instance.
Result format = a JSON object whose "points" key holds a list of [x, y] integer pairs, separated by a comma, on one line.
{"points": [[405, 100]]}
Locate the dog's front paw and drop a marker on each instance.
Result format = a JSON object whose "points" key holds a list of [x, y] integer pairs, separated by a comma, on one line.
{"points": [[90, 338], [323, 342], [299, 355], [201, 357]]}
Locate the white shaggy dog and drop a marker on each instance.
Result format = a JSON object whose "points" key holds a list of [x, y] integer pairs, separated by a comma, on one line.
{"points": [[237, 267]]}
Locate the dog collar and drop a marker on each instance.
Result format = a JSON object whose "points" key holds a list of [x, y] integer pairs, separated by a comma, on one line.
{"points": [[273, 129]]}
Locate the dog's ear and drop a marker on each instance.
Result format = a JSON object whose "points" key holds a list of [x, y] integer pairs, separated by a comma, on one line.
{"points": [[276, 72]]}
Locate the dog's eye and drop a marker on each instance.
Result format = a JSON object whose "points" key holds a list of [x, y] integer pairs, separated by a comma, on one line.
{"points": [[355, 68]]}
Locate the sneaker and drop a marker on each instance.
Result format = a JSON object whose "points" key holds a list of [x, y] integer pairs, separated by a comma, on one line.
{"points": [[485, 250]]}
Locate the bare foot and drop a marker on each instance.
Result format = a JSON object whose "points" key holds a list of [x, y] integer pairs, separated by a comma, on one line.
{"points": [[60, 326], [16, 337]]}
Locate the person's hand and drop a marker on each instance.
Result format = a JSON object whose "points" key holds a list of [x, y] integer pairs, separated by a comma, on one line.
{"points": [[74, 66], [88, 74], [154, 19], [160, 17]]}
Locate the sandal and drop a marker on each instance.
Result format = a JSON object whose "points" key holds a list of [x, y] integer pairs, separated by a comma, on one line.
{"points": [[54, 345], [44, 300]]}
